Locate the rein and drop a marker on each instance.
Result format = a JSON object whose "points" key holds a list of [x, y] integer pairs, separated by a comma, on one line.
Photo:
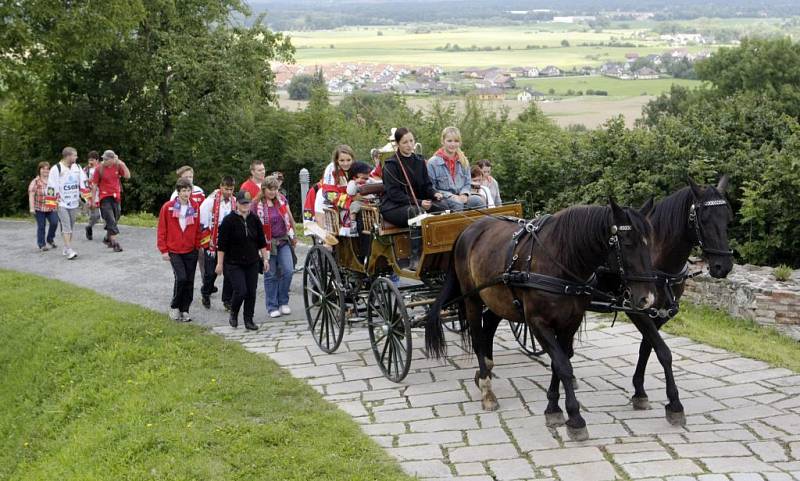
{"points": [[408, 181]]}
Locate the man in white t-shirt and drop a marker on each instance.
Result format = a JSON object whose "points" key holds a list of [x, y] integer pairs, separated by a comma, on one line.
{"points": [[67, 183]]}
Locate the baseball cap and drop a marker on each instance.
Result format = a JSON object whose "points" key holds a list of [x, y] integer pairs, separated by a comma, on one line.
{"points": [[243, 197]]}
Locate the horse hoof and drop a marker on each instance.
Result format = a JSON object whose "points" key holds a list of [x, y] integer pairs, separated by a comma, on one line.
{"points": [[578, 434], [552, 420], [675, 418], [640, 403]]}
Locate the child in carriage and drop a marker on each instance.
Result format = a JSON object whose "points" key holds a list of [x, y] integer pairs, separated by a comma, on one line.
{"points": [[334, 189]]}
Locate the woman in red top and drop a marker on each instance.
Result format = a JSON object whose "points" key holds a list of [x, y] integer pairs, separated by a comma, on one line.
{"points": [[178, 237]]}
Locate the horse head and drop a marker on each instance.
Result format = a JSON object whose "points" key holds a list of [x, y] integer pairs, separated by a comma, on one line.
{"points": [[709, 216], [629, 254]]}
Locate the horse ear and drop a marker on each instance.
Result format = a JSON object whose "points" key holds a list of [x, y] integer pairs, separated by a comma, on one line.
{"points": [[722, 186], [695, 188], [647, 208], [615, 208]]}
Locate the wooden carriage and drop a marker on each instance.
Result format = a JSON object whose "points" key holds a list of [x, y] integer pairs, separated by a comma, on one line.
{"points": [[339, 289]]}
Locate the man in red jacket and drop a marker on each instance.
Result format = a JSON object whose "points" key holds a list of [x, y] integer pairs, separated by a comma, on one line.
{"points": [[178, 239]]}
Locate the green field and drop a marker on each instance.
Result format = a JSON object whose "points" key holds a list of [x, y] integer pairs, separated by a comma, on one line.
{"points": [[399, 46], [614, 87]]}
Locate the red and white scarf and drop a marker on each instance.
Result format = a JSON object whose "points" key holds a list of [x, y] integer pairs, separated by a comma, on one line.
{"points": [[262, 212], [212, 240], [190, 211]]}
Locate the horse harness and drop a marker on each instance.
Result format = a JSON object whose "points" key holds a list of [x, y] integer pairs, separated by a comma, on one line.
{"points": [[694, 222], [667, 281], [516, 279]]}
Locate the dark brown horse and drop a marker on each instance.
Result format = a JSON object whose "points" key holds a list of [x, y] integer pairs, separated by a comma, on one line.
{"points": [[538, 273], [692, 216]]}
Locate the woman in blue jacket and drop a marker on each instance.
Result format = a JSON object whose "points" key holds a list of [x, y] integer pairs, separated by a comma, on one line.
{"points": [[449, 172]]}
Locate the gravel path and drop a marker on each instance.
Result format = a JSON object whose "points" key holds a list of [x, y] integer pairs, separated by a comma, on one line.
{"points": [[743, 417], [137, 275]]}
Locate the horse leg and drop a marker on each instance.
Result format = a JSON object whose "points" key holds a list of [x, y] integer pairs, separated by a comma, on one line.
{"points": [[674, 409], [478, 333], [570, 354], [490, 323], [562, 368], [553, 415], [639, 399]]}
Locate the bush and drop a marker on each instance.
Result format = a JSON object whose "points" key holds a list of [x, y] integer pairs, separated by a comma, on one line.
{"points": [[782, 273]]}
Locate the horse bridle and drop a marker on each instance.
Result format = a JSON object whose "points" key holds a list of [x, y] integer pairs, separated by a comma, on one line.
{"points": [[614, 243], [694, 221]]}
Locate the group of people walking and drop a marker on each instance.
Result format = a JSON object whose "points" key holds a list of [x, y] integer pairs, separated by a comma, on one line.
{"points": [[238, 236], [241, 235], [55, 195]]}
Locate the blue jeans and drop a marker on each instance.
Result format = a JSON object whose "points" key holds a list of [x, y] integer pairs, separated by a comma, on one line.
{"points": [[41, 218], [279, 278]]}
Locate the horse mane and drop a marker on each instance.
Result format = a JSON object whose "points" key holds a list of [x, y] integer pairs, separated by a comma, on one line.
{"points": [[579, 235], [670, 216]]}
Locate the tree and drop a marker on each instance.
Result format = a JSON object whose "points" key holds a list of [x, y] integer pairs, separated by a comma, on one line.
{"points": [[765, 65], [300, 87], [565, 43], [158, 83]]}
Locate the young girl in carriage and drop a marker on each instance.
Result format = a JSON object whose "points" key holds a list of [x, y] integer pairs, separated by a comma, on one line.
{"points": [[334, 190]]}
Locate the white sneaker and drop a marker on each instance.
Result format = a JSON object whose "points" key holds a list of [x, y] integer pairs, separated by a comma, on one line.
{"points": [[71, 254], [175, 314], [285, 309], [185, 317], [64, 251], [275, 314]]}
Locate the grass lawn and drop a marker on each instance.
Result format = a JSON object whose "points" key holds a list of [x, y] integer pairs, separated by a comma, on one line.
{"points": [[715, 328], [97, 389], [614, 87], [139, 219]]}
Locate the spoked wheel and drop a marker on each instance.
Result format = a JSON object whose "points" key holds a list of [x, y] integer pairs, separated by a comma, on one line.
{"points": [[323, 299], [389, 329], [525, 338]]}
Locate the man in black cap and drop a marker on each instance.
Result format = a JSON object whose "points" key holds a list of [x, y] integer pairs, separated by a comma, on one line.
{"points": [[241, 247]]}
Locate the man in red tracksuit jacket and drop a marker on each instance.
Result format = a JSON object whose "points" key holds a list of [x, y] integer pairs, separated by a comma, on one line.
{"points": [[178, 239]]}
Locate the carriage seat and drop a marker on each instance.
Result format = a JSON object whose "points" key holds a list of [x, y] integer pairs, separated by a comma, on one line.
{"points": [[389, 229], [374, 220]]}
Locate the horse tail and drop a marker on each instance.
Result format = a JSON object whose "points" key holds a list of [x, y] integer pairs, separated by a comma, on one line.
{"points": [[434, 333]]}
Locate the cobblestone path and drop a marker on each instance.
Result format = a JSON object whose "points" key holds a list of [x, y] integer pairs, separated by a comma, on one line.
{"points": [[743, 420], [743, 417]]}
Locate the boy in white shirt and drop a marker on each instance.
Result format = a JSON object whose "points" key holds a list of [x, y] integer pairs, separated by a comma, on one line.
{"points": [[213, 210], [67, 184]]}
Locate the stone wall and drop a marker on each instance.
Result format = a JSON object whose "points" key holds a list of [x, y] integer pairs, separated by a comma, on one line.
{"points": [[751, 292]]}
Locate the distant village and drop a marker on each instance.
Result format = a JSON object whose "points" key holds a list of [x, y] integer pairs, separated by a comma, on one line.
{"points": [[486, 84]]}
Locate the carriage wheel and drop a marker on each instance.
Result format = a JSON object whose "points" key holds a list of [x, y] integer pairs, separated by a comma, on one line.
{"points": [[389, 329], [525, 338], [323, 299]]}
